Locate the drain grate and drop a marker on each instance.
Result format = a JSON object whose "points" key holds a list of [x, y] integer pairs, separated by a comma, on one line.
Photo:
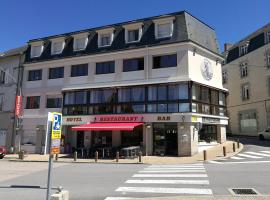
{"points": [[243, 191]]}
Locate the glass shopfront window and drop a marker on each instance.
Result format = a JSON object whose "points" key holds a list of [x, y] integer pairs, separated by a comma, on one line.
{"points": [[102, 96], [72, 98], [132, 138]]}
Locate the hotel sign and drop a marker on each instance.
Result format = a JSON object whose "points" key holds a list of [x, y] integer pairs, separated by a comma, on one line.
{"points": [[74, 119]]}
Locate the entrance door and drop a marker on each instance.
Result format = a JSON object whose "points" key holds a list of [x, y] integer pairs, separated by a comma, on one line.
{"points": [[80, 139], [165, 138]]}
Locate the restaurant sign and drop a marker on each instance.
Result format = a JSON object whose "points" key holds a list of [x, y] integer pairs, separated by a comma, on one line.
{"points": [[118, 118]]}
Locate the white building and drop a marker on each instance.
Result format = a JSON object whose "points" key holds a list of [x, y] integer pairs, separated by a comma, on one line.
{"points": [[247, 77], [159, 78]]}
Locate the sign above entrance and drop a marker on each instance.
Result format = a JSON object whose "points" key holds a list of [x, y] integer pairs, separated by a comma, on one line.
{"points": [[209, 120], [118, 118]]}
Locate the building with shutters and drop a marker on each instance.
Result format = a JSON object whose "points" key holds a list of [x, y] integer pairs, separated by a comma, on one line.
{"points": [[10, 71], [246, 74], [154, 82]]}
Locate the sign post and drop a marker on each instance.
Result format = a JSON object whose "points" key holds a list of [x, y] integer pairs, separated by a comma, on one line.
{"points": [[54, 136]]}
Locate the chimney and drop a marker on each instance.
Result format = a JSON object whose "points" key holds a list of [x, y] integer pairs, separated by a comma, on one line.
{"points": [[227, 46]]}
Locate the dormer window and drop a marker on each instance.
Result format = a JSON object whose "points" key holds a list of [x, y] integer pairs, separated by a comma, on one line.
{"points": [[105, 37], [57, 46], [80, 42], [133, 32], [244, 49], [36, 50], [164, 27]]}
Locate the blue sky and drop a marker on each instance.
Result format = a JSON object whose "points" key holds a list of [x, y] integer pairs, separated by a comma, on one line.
{"points": [[30, 19]]}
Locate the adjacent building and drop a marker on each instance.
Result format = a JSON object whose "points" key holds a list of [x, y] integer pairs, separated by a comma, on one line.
{"points": [[154, 82], [10, 72], [246, 74]]}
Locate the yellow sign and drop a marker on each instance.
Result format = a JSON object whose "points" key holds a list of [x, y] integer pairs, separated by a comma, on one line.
{"points": [[56, 133], [194, 119]]}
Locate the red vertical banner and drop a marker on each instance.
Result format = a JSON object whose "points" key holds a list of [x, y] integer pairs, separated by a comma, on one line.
{"points": [[18, 106]]}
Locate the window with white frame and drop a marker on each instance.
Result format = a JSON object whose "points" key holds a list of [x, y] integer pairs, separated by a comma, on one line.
{"points": [[245, 92], [57, 47], [243, 70], [36, 50], [80, 43], [164, 29], [244, 49], [224, 76], [133, 32], [105, 39], [1, 102]]}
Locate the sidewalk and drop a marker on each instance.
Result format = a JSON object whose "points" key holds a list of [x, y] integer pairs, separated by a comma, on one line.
{"points": [[213, 153], [212, 198]]}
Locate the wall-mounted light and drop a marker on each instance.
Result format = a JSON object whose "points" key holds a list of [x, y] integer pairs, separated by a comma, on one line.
{"points": [[182, 125], [194, 51], [148, 126], [217, 61]]}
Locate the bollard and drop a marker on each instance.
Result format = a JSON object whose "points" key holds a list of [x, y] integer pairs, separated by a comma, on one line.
{"points": [[21, 155], [238, 144], [234, 147], [204, 155], [224, 151], [117, 156], [96, 156], [56, 157], [140, 156], [75, 156]]}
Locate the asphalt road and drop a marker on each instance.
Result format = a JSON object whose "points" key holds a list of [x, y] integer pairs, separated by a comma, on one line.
{"points": [[101, 181]]}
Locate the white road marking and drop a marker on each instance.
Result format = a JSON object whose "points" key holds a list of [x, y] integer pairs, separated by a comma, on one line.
{"points": [[173, 168], [169, 175], [173, 171], [237, 158], [148, 181], [165, 190], [222, 159], [248, 156], [183, 165], [265, 151], [247, 162], [257, 154], [214, 162], [120, 198]]}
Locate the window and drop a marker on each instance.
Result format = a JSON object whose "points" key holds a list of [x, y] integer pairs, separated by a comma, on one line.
{"points": [[243, 70], [248, 121], [1, 102], [57, 72], [105, 39], [164, 30], [245, 92], [54, 102], [33, 102], [79, 70], [215, 96], [133, 64], [80, 43], [268, 37], [105, 67], [196, 92], [224, 76], [36, 50], [268, 60], [133, 35], [102, 96], [35, 75], [72, 98], [244, 49], [164, 61], [2, 76], [205, 95], [222, 98], [57, 47]]}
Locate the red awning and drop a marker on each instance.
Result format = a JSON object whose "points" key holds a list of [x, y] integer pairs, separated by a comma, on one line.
{"points": [[107, 126]]}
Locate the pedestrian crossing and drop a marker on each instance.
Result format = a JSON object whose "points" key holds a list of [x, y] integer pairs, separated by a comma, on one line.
{"points": [[160, 180], [246, 156]]}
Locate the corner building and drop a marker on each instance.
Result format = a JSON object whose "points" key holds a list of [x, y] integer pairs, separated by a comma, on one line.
{"points": [[153, 82]]}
